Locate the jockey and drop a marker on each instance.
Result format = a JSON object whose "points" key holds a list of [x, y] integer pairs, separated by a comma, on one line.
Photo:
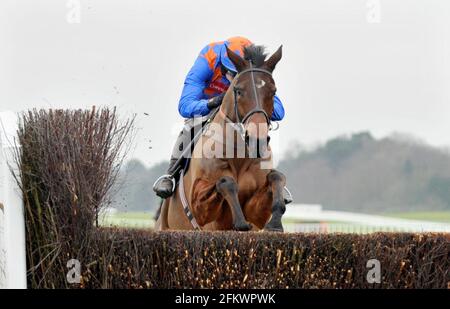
{"points": [[204, 88]]}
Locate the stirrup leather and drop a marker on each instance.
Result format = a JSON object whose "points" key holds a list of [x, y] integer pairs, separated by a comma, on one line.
{"points": [[289, 195]]}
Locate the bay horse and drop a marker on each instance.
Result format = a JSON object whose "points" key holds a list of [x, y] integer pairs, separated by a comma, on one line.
{"points": [[233, 192]]}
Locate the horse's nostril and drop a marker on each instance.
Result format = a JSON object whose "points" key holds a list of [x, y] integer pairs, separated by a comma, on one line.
{"points": [[268, 139]]}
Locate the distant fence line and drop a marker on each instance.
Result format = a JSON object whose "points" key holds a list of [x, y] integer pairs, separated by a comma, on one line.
{"points": [[350, 222], [324, 228], [313, 219]]}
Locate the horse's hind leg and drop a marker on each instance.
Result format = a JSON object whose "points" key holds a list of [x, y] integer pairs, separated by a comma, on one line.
{"points": [[158, 211], [228, 188], [276, 181]]}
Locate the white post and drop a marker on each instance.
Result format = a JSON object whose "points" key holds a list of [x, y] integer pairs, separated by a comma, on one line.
{"points": [[12, 231]]}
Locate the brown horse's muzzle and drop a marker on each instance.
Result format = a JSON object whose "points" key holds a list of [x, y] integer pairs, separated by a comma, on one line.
{"points": [[257, 136], [257, 147]]}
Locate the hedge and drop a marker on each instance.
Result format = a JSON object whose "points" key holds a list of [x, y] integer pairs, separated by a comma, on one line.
{"points": [[142, 259]]}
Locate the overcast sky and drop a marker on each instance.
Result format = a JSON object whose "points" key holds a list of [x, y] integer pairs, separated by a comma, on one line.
{"points": [[342, 71]]}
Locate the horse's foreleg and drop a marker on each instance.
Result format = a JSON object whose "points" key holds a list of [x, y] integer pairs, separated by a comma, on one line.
{"points": [[276, 181], [228, 188], [266, 206], [258, 208]]}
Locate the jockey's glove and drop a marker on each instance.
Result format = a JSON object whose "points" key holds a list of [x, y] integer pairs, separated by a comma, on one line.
{"points": [[216, 101]]}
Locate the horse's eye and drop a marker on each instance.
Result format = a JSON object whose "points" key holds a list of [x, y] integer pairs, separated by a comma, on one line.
{"points": [[238, 92]]}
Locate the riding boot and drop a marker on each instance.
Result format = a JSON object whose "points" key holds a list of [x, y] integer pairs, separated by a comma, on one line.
{"points": [[165, 184]]}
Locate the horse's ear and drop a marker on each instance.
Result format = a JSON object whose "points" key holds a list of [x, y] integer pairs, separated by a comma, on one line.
{"points": [[237, 60], [273, 60]]}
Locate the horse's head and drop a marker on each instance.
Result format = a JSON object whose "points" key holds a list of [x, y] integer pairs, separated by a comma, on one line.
{"points": [[251, 95]]}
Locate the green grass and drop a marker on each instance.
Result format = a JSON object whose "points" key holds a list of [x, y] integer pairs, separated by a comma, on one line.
{"points": [[134, 215], [129, 220], [437, 216]]}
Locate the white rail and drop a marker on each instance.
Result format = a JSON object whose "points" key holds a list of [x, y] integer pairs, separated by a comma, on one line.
{"points": [[12, 230]]}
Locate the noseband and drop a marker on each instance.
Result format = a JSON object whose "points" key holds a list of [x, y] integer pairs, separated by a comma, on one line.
{"points": [[258, 108]]}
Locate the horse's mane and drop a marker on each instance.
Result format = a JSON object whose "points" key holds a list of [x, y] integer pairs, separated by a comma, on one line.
{"points": [[256, 54]]}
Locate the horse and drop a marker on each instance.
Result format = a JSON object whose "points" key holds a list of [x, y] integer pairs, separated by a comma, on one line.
{"points": [[233, 192]]}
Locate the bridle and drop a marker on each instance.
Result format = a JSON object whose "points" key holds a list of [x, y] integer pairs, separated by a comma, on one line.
{"points": [[258, 108]]}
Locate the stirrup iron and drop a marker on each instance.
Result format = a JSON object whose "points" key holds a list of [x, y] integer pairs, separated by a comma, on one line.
{"points": [[174, 184]]}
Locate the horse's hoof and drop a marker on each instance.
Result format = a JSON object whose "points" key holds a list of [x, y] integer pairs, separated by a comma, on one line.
{"points": [[273, 228], [243, 226]]}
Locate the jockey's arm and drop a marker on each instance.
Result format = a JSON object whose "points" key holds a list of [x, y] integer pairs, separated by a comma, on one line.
{"points": [[278, 109], [192, 102]]}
